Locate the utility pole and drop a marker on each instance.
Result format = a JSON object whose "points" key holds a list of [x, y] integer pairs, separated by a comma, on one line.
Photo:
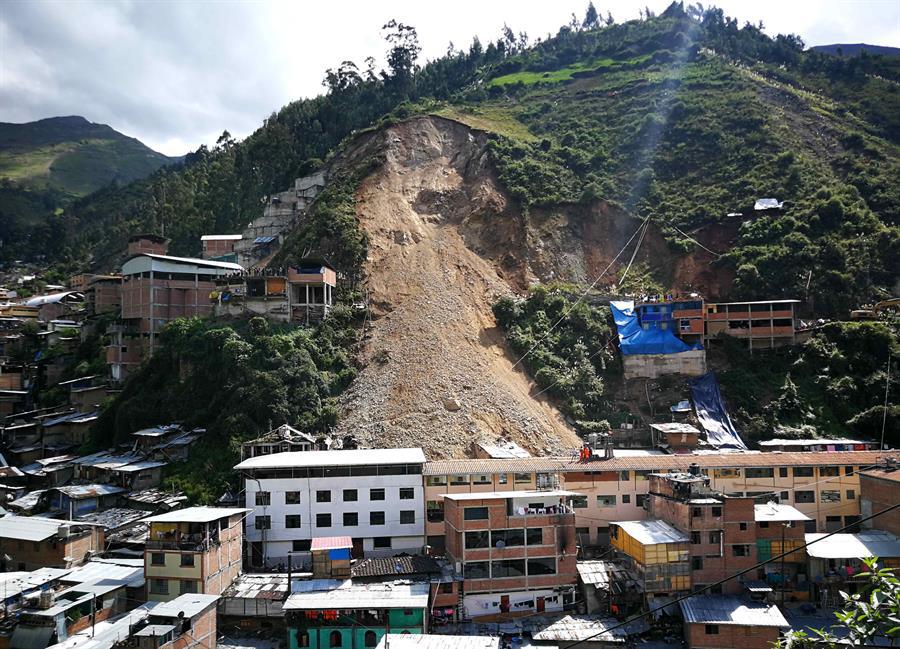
{"points": [[887, 387]]}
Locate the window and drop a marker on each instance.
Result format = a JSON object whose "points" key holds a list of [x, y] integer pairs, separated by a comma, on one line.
{"points": [[187, 560], [625, 476], [291, 497], [579, 502], [302, 545], [534, 536], [459, 480], [542, 566], [474, 540], [475, 513], [785, 496], [434, 510], [626, 499], [759, 472], [476, 570], [742, 527], [851, 494], [804, 497], [302, 639], [782, 472], [829, 496], [407, 493], [263, 523], [740, 550], [351, 495], [606, 501], [717, 512], [848, 470], [715, 537], [809, 527], [263, 499], [642, 475], [351, 519], [188, 586], [696, 563], [292, 521], [370, 639], [407, 517], [481, 478], [764, 524], [376, 494], [695, 538], [335, 639], [696, 512], [641, 499], [158, 559], [435, 480], [323, 496], [501, 478], [323, 520], [522, 478], [726, 473], [803, 471], [381, 542], [712, 629], [508, 538], [828, 471], [583, 532], [376, 518], [159, 586], [508, 568]]}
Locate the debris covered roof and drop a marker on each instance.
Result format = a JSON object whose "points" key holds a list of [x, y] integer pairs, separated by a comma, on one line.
{"points": [[402, 565]]}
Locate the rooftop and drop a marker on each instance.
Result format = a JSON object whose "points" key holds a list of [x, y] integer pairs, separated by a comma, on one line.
{"points": [[726, 609], [874, 543], [809, 441], [221, 237], [335, 458], [187, 605], [191, 260], [891, 474], [572, 628], [503, 450], [30, 528], [330, 593], [331, 543], [774, 513], [196, 515], [402, 565], [258, 586], [675, 427], [82, 491], [507, 495], [423, 641], [652, 532], [107, 633]]}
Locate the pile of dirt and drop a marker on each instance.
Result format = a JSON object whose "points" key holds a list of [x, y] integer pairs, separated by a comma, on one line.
{"points": [[437, 370]]}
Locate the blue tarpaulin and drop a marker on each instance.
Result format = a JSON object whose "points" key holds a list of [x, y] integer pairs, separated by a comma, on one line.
{"points": [[711, 412], [635, 340]]}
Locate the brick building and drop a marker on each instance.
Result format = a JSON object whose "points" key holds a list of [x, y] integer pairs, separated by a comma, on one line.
{"points": [[193, 550], [219, 247], [517, 551], [32, 542], [720, 622], [878, 490]]}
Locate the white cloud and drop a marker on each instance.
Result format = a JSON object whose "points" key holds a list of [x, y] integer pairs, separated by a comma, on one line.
{"points": [[176, 74]]}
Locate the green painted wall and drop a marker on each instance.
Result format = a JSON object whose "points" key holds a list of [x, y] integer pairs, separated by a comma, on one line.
{"points": [[351, 637]]}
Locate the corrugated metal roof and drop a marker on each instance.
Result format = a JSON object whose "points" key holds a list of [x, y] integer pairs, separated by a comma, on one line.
{"points": [[29, 528], [81, 491], [674, 427], [196, 515], [506, 495], [140, 466], [772, 512], [652, 532], [597, 572], [572, 628], [807, 442], [726, 609], [54, 298], [258, 586], [96, 571], [188, 604], [221, 237], [874, 543], [347, 595], [331, 543], [430, 641], [194, 261], [503, 450], [114, 518], [335, 458], [402, 565]]}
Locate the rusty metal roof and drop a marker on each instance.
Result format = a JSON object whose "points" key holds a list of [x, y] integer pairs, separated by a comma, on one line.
{"points": [[388, 566]]}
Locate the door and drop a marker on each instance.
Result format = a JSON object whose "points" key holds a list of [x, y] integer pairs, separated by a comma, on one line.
{"points": [[504, 603], [540, 604]]}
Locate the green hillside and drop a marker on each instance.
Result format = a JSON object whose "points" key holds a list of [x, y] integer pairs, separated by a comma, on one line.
{"points": [[72, 155]]}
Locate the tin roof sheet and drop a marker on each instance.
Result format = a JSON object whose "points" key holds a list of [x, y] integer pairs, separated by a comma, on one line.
{"points": [[874, 543], [774, 513], [335, 458], [331, 543], [652, 532], [725, 609], [189, 605], [258, 586], [574, 628], [423, 641], [347, 595], [196, 515]]}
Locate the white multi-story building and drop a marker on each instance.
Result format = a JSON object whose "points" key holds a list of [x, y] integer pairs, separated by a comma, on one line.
{"points": [[374, 496]]}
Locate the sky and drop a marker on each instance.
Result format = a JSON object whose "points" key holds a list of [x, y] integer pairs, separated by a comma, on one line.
{"points": [[176, 73]]}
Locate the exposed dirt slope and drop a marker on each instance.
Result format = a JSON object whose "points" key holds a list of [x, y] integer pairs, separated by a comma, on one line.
{"points": [[437, 371]]}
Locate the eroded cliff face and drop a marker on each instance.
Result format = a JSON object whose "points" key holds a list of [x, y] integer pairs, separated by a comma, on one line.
{"points": [[445, 242]]}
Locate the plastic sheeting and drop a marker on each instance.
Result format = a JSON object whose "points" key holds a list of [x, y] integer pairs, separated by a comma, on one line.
{"points": [[635, 340], [720, 432]]}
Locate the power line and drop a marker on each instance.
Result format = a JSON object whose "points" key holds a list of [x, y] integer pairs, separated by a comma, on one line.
{"points": [[740, 573]]}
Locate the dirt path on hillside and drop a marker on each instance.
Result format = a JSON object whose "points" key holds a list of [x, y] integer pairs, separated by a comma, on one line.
{"points": [[437, 370]]}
